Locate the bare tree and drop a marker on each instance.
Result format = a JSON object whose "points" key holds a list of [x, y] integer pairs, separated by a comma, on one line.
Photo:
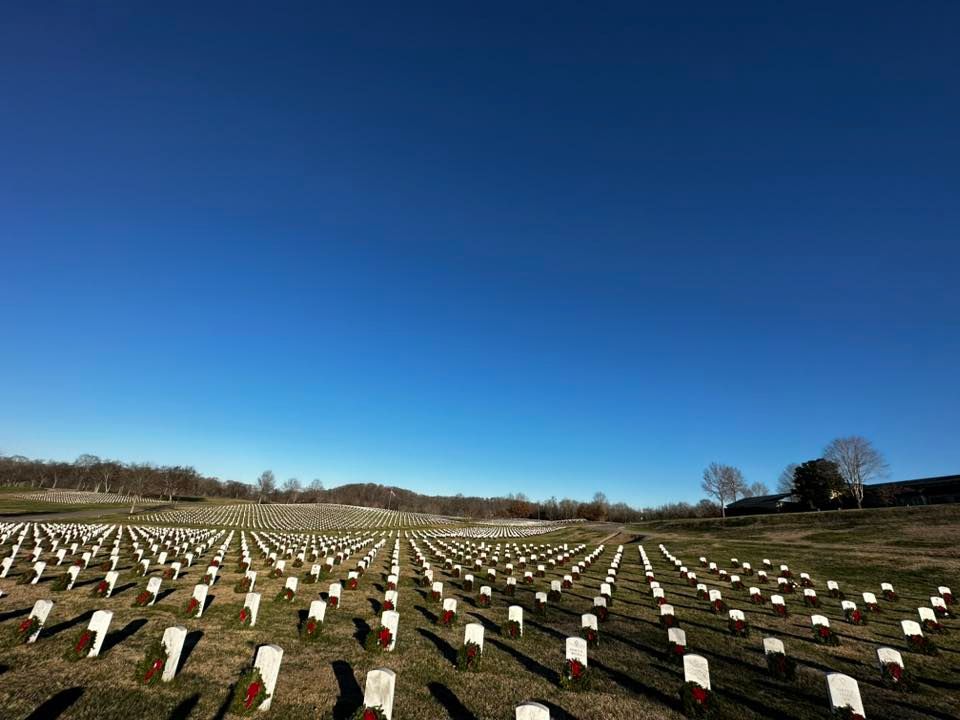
{"points": [[785, 481], [266, 484], [83, 465], [722, 482], [292, 489], [138, 481], [858, 462], [105, 471], [738, 486], [168, 480], [757, 489]]}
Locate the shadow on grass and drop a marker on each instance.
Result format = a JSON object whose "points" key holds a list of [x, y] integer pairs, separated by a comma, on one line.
{"points": [[351, 697], [14, 614], [446, 649], [451, 703], [57, 705], [528, 663], [121, 589], [183, 709], [636, 687], [488, 624], [115, 638], [362, 630], [428, 616], [67, 624], [544, 629], [189, 643], [164, 594], [556, 712]]}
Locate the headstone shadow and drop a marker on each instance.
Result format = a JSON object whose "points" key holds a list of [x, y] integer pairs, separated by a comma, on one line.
{"points": [[428, 616], [121, 589], [556, 712], [115, 638], [183, 709], [56, 705], [545, 629], [528, 663], [14, 614], [189, 643], [67, 624], [451, 703], [445, 648], [636, 687], [488, 624], [351, 696], [362, 630]]}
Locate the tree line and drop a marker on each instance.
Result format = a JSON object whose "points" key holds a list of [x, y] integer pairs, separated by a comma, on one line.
{"points": [[837, 478], [840, 475], [183, 482]]}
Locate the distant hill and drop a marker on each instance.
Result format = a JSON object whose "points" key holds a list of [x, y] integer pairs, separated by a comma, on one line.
{"points": [[397, 498]]}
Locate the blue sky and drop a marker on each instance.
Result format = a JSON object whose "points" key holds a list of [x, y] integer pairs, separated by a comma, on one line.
{"points": [[550, 249]]}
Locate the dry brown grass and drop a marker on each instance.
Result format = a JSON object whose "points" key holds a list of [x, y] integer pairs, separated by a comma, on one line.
{"points": [[632, 675]]}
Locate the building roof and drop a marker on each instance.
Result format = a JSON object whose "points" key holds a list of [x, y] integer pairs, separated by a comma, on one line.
{"points": [[924, 482], [759, 501]]}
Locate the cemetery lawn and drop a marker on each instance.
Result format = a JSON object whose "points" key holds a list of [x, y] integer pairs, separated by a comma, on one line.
{"points": [[632, 674]]}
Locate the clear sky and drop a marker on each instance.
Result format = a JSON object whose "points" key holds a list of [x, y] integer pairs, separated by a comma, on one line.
{"points": [[523, 247]]}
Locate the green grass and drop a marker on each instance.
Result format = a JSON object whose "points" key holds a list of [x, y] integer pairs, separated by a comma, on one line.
{"points": [[632, 674]]}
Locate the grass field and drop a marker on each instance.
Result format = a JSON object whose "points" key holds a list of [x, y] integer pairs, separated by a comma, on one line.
{"points": [[632, 675]]}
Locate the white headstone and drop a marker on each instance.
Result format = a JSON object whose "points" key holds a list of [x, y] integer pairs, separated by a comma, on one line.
{"points": [[887, 655], [532, 711], [318, 610], [390, 619], [153, 587], [515, 613], [111, 578], [268, 663], [696, 670], [99, 623], [576, 649], [41, 610], [844, 692], [251, 601], [173, 639], [473, 632], [379, 689], [200, 595], [773, 645]]}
